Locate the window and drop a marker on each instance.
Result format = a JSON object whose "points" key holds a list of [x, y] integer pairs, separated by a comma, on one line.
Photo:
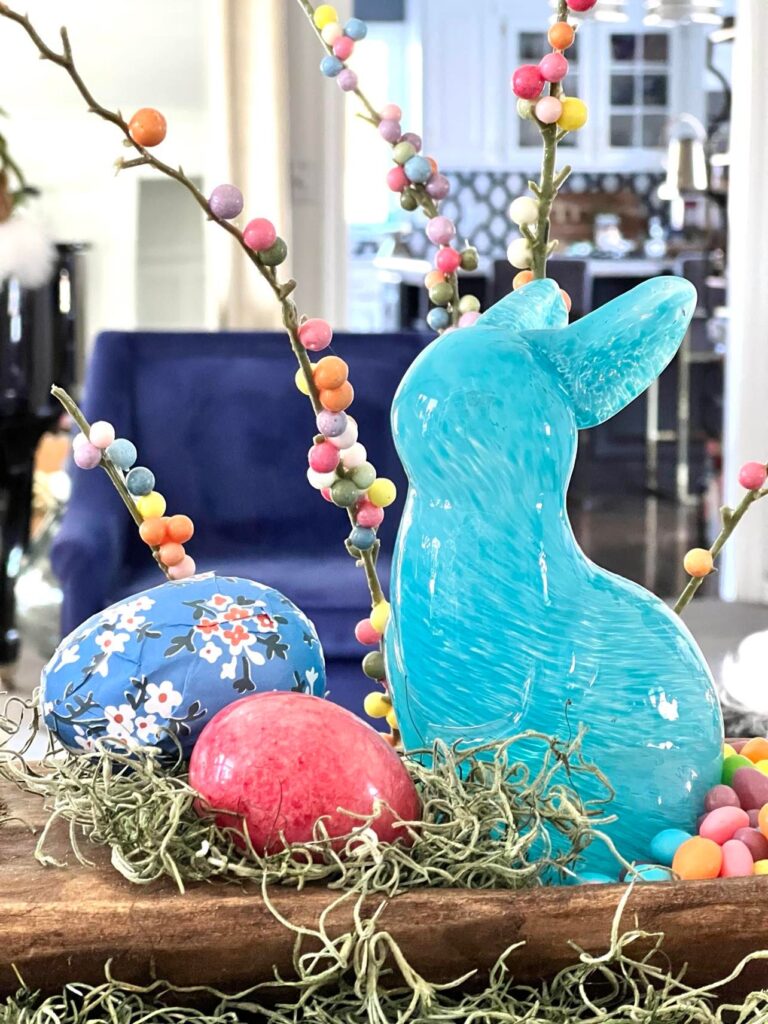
{"points": [[529, 52], [639, 89]]}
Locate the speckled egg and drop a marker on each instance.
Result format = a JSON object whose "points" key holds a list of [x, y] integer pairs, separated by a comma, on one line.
{"points": [[155, 668]]}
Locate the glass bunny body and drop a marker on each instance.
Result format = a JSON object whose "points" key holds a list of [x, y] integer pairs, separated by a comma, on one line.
{"points": [[499, 622]]}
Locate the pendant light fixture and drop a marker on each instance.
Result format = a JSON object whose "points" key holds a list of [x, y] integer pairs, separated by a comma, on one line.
{"points": [[682, 12]]}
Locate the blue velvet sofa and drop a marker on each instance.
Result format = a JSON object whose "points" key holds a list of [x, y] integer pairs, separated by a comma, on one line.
{"points": [[219, 421]]}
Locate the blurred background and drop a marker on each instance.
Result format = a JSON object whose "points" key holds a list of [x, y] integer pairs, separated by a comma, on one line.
{"points": [[669, 177]]}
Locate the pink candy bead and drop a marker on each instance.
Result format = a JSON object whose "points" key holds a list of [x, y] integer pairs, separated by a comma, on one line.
{"points": [[369, 515], [86, 455], [315, 335], [390, 131], [737, 860], [259, 234], [365, 634], [185, 568], [391, 112], [397, 179], [527, 82], [79, 439], [438, 186], [448, 261], [441, 230], [467, 319], [581, 5], [347, 80], [323, 457], [553, 67], [102, 434], [752, 475], [721, 824], [343, 47], [548, 109], [326, 493]]}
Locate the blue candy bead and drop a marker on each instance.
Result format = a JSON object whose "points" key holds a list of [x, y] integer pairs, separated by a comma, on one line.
{"points": [[665, 845], [140, 481], [122, 452], [331, 66], [418, 169], [362, 538], [356, 29], [438, 319]]}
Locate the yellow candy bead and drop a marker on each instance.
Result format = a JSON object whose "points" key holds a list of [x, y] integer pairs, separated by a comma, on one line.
{"points": [[382, 492], [376, 705], [151, 505], [324, 15], [698, 563], [761, 867], [380, 617], [301, 382], [762, 766], [728, 751], [574, 115], [392, 719]]}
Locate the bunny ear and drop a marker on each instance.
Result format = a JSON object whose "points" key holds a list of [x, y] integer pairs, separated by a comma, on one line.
{"points": [[536, 306], [608, 358]]}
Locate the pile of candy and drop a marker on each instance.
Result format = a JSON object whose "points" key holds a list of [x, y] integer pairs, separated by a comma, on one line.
{"points": [[166, 535]]}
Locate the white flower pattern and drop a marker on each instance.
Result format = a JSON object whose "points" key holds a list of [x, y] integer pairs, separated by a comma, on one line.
{"points": [[210, 652], [120, 721], [162, 699]]}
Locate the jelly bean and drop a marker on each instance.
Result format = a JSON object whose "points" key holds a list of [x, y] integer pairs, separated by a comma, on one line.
{"points": [[365, 634], [731, 765], [665, 845], [736, 744], [737, 860], [755, 841], [180, 529], [721, 824], [762, 766], [698, 858], [648, 873], [721, 796], [122, 453], [754, 818], [755, 749], [762, 819], [728, 750], [101, 434], [751, 787], [761, 867]]}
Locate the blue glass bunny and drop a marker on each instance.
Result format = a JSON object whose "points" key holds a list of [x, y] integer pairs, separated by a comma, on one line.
{"points": [[499, 622]]}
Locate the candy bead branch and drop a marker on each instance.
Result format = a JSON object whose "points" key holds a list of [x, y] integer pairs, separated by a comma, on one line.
{"points": [[114, 474]]}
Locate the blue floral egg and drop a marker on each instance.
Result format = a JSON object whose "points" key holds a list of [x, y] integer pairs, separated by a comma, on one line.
{"points": [[154, 669]]}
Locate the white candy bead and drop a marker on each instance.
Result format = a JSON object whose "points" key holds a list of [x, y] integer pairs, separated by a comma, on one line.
{"points": [[332, 32], [348, 438], [524, 210], [519, 254], [320, 480], [354, 456]]}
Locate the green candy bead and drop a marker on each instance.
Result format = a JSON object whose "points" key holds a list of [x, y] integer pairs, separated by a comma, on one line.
{"points": [[373, 665], [275, 254], [525, 109], [469, 304], [344, 493], [362, 476], [403, 152], [441, 294], [731, 765], [469, 260], [409, 202]]}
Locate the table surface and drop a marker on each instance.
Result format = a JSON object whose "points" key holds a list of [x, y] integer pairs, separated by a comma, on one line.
{"points": [[61, 925]]}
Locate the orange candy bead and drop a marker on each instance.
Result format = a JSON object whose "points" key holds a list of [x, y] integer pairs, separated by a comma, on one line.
{"points": [[331, 372], [698, 858], [566, 299], [434, 277], [171, 553], [337, 399], [561, 35], [524, 277], [432, 163], [147, 127], [698, 562], [154, 531], [180, 529]]}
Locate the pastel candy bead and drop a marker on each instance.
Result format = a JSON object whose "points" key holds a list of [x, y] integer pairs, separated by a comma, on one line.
{"points": [[469, 304], [580, 6], [380, 616], [300, 380], [391, 112], [362, 538], [324, 15], [171, 553], [519, 253], [347, 80], [755, 749], [524, 210], [721, 796], [448, 260], [752, 475], [79, 439], [315, 335], [737, 860], [122, 453], [86, 455], [275, 254], [151, 506], [390, 131], [366, 635], [184, 569], [751, 787], [403, 152], [343, 47], [320, 481], [331, 32], [418, 169], [376, 705], [353, 456], [720, 825], [698, 858], [259, 234], [344, 493], [331, 66], [397, 179], [356, 29], [226, 202], [348, 437], [553, 67], [369, 515], [441, 230], [731, 765], [438, 186], [755, 842], [363, 476], [666, 843], [101, 434], [331, 424], [140, 481], [414, 140], [438, 319], [574, 115], [323, 457], [382, 493], [467, 319], [527, 82], [549, 109]]}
